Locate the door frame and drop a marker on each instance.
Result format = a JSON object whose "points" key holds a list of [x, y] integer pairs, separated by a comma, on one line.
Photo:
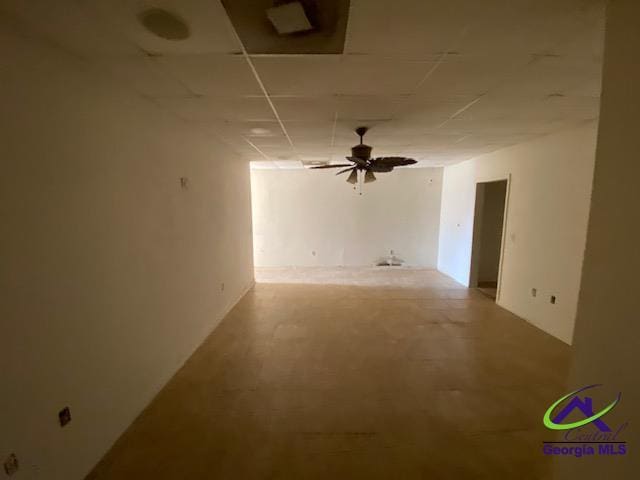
{"points": [[473, 282]]}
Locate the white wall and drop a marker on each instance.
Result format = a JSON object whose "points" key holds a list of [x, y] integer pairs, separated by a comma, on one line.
{"points": [[546, 223], [607, 338], [298, 212], [111, 274]]}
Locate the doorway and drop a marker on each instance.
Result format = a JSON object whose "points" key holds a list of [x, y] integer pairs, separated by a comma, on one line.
{"points": [[488, 228]]}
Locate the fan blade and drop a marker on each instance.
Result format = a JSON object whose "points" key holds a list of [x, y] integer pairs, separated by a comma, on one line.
{"points": [[380, 168], [369, 177], [345, 170], [338, 165], [393, 161], [353, 177], [357, 161]]}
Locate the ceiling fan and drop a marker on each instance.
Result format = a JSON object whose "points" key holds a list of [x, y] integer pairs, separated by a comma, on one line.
{"points": [[361, 161]]}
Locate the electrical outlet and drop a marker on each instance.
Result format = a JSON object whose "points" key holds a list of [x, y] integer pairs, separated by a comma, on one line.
{"points": [[11, 464], [552, 299], [534, 292], [64, 416], [184, 183], [222, 287]]}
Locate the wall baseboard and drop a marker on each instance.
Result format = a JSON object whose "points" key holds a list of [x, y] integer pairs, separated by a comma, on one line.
{"points": [[452, 278]]}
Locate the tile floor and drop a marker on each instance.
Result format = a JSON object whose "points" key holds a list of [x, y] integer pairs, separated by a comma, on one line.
{"points": [[385, 374]]}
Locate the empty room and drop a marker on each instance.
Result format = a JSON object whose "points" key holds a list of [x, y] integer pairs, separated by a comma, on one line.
{"points": [[319, 239]]}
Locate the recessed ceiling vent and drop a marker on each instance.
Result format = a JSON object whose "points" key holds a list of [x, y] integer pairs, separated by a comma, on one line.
{"points": [[164, 24]]}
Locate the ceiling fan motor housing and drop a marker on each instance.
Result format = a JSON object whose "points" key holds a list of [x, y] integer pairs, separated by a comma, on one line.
{"points": [[361, 151]]}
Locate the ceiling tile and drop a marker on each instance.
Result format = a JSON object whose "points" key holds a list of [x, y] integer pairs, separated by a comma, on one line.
{"points": [[211, 109], [321, 75], [537, 27], [71, 25], [144, 75], [407, 28], [312, 130], [305, 109], [466, 77], [362, 109], [212, 74], [544, 76]]}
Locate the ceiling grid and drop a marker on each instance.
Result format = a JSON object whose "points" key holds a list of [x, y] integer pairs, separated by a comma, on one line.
{"points": [[441, 81]]}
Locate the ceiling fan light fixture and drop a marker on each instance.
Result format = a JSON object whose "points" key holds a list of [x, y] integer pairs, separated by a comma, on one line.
{"points": [[361, 161], [369, 176]]}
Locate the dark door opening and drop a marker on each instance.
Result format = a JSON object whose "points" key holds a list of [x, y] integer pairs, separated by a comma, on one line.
{"points": [[488, 226]]}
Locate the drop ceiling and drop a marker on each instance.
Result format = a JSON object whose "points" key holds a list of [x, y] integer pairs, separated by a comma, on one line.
{"points": [[439, 80]]}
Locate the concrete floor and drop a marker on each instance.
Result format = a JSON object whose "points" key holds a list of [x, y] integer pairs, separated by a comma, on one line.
{"points": [[422, 379]]}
